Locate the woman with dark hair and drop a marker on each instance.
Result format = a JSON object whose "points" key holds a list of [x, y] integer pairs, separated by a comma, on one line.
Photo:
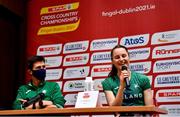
{"points": [[137, 93]]}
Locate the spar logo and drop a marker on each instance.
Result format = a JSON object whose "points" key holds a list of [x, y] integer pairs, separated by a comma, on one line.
{"points": [[169, 80], [49, 49], [101, 70], [80, 46], [166, 51], [76, 72], [165, 37], [86, 95], [172, 95], [101, 57], [75, 85], [141, 67], [59, 8], [76, 59], [139, 54], [169, 94], [103, 44], [166, 65], [134, 41]]}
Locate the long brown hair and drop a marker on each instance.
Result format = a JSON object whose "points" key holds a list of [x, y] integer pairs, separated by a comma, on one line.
{"points": [[113, 71]]}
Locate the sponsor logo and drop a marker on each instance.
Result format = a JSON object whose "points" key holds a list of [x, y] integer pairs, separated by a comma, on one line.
{"points": [[59, 8], [169, 94], [86, 95], [169, 80], [166, 65], [76, 72], [172, 95], [166, 51], [75, 85], [141, 67], [49, 49], [53, 74], [173, 110], [165, 37], [103, 44], [70, 99], [80, 46], [76, 59], [134, 41], [100, 57], [139, 54], [53, 61], [101, 70]]}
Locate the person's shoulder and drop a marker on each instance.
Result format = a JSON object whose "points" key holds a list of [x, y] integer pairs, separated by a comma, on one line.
{"points": [[23, 87], [51, 84], [108, 79]]}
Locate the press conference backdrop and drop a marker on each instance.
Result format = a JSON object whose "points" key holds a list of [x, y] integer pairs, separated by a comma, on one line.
{"points": [[76, 37]]}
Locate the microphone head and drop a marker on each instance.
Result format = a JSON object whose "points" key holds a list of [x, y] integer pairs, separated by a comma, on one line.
{"points": [[42, 95], [124, 67]]}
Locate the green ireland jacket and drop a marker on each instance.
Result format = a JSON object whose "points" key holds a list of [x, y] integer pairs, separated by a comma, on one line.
{"points": [[50, 89]]}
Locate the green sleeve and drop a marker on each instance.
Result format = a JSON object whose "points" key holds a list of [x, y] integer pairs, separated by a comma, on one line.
{"points": [[106, 85], [17, 103], [57, 97], [145, 82]]}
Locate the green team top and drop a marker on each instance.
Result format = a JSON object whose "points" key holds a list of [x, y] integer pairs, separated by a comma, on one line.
{"points": [[50, 89], [132, 96]]}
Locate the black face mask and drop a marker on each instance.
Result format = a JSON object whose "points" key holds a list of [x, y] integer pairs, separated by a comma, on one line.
{"points": [[39, 74]]}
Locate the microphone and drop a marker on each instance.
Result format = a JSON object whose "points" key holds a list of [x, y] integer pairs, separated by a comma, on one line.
{"points": [[126, 78], [34, 99]]}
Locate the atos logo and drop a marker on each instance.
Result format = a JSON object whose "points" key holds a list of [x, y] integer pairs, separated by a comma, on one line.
{"points": [[132, 41]]}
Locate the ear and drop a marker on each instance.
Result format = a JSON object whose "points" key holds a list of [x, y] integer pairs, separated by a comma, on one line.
{"points": [[30, 71]]}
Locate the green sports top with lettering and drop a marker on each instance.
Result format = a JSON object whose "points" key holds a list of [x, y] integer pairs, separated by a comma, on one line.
{"points": [[133, 96], [51, 89]]}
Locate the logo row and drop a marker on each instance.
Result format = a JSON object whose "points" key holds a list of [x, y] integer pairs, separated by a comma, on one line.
{"points": [[105, 57], [72, 87], [162, 66], [107, 44]]}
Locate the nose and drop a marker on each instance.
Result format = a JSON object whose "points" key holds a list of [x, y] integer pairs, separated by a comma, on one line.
{"points": [[122, 60]]}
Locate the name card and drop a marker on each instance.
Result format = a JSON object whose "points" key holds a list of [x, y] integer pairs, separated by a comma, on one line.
{"points": [[87, 99]]}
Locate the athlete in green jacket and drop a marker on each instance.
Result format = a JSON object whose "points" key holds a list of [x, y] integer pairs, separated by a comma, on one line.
{"points": [[137, 93], [52, 96]]}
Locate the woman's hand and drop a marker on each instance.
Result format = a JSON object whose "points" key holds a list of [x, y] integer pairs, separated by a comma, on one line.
{"points": [[122, 75]]}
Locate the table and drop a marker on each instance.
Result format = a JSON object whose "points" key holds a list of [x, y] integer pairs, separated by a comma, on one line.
{"points": [[82, 111]]}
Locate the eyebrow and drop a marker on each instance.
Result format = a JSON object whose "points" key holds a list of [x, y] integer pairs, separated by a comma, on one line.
{"points": [[40, 66]]}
